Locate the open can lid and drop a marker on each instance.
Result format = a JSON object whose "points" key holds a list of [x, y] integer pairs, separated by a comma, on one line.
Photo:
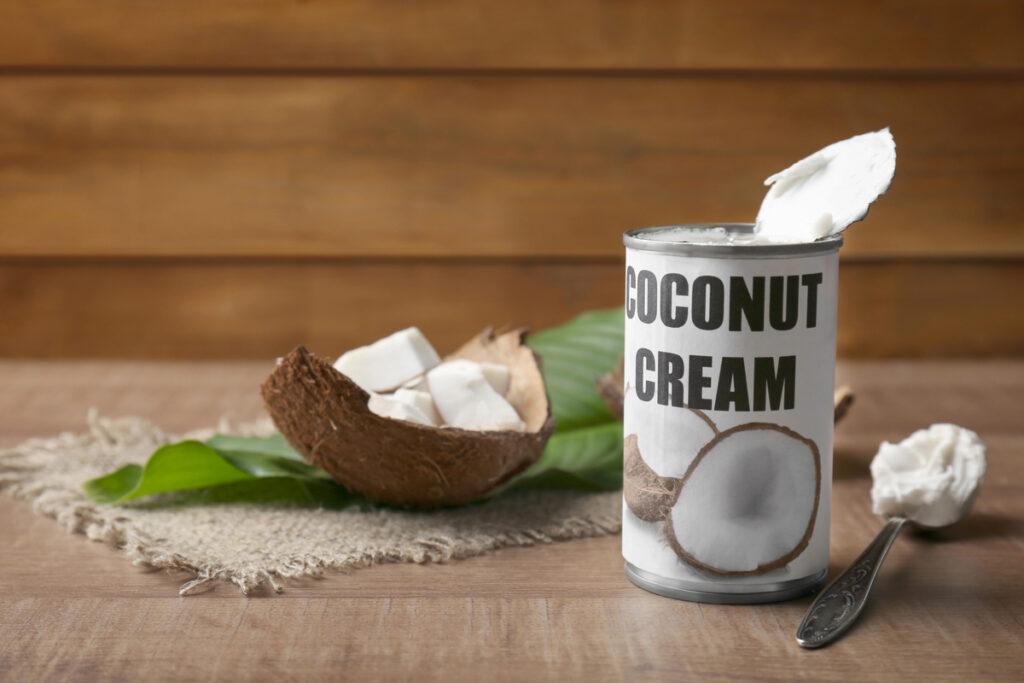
{"points": [[724, 240]]}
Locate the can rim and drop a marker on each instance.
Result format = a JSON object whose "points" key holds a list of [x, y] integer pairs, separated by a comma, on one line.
{"points": [[725, 593], [633, 239]]}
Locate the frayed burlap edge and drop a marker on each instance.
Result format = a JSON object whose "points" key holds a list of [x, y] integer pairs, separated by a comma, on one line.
{"points": [[45, 472]]}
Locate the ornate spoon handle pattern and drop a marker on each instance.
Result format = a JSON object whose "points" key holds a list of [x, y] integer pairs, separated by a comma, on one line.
{"points": [[838, 606]]}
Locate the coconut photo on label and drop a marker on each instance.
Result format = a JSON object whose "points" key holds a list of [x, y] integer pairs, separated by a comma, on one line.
{"points": [[758, 484], [652, 476]]}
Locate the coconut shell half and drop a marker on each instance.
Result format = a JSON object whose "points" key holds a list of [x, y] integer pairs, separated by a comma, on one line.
{"points": [[843, 399], [647, 495], [610, 387], [324, 416]]}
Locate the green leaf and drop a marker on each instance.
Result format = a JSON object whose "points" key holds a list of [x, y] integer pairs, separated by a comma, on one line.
{"points": [[274, 444], [184, 465], [586, 450], [588, 458], [259, 465], [223, 474], [276, 490], [575, 355]]}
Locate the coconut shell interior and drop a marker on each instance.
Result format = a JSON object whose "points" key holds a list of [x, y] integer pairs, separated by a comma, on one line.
{"points": [[324, 416]]}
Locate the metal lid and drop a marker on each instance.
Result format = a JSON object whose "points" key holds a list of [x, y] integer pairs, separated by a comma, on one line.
{"points": [[644, 239]]}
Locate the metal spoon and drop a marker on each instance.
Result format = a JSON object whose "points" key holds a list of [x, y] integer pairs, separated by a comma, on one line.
{"points": [[838, 606]]}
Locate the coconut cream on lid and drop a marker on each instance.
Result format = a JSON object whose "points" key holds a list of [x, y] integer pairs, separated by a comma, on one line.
{"points": [[932, 477]]}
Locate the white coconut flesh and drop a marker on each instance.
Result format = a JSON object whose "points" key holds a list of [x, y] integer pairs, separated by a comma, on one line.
{"points": [[463, 393], [670, 437], [418, 383], [421, 400], [824, 193], [406, 404], [497, 376], [466, 399], [644, 545], [388, 363], [404, 409], [748, 501]]}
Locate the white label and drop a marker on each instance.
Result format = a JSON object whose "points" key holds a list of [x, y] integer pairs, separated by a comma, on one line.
{"points": [[729, 377]]}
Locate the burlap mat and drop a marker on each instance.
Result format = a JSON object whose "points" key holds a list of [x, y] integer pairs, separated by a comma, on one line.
{"points": [[256, 545]]}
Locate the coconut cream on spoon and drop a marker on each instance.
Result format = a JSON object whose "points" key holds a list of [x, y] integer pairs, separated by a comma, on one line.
{"points": [[932, 477]]}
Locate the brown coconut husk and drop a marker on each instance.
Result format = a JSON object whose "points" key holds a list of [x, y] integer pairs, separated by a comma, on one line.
{"points": [[842, 399], [324, 416], [610, 387], [648, 495]]}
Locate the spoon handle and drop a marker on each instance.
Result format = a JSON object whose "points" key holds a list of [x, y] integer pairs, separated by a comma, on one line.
{"points": [[838, 606]]}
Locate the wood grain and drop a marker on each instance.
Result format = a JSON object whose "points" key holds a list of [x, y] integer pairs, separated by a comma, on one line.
{"points": [[255, 309], [946, 606], [482, 165], [532, 34]]}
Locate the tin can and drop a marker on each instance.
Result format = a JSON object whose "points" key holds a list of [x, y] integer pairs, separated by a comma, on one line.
{"points": [[729, 375]]}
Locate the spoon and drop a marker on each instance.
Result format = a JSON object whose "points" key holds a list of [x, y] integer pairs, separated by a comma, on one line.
{"points": [[950, 463], [838, 606]]}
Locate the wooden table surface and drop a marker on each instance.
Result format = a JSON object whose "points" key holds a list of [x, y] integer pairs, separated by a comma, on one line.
{"points": [[948, 606]]}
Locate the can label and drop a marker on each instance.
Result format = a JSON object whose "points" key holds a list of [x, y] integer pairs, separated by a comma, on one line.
{"points": [[729, 377]]}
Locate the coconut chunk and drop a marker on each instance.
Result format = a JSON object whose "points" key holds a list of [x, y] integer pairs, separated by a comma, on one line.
{"points": [[417, 383], [421, 400], [497, 376], [389, 362], [389, 406], [465, 398], [406, 404]]}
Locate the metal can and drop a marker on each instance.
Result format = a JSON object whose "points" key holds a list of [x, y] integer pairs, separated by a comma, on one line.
{"points": [[729, 375]]}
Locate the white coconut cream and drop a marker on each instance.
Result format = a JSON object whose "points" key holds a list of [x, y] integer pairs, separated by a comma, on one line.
{"points": [[818, 196], [824, 193], [932, 477]]}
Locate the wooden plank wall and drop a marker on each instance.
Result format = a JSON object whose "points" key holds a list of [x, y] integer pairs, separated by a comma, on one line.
{"points": [[222, 180]]}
